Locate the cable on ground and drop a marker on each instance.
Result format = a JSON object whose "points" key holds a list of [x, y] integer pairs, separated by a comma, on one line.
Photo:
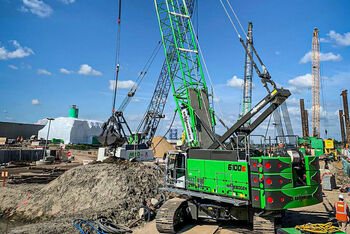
{"points": [[318, 228], [101, 226]]}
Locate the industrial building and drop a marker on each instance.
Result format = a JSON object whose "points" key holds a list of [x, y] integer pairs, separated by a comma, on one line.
{"points": [[14, 130], [71, 129]]}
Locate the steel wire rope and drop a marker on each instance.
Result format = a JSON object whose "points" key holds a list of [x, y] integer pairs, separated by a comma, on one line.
{"points": [[117, 55], [142, 75], [239, 22]]}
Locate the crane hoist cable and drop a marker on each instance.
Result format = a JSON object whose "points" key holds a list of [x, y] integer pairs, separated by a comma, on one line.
{"points": [[117, 55], [113, 133], [139, 79], [265, 76]]}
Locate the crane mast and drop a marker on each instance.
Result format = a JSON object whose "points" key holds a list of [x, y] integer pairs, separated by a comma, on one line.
{"points": [[315, 58], [154, 112], [187, 81], [248, 73]]}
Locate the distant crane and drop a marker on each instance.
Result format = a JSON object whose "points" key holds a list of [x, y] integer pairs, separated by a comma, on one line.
{"points": [[315, 59], [248, 73]]}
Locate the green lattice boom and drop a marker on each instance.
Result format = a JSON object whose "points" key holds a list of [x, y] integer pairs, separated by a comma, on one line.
{"points": [[176, 31]]}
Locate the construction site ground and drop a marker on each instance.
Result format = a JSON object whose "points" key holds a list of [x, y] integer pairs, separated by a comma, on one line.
{"points": [[312, 214], [117, 189]]}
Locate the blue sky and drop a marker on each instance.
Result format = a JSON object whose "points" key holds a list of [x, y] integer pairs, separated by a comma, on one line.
{"points": [[55, 53]]}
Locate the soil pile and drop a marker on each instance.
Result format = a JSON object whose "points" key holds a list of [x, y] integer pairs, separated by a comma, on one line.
{"points": [[116, 189], [340, 177], [162, 146]]}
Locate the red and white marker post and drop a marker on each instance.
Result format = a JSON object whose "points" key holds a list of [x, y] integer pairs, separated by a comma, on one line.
{"points": [[4, 174]]}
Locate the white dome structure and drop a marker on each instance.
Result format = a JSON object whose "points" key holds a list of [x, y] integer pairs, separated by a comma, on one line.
{"points": [[72, 130]]}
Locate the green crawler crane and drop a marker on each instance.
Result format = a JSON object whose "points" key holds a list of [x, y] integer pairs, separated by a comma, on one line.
{"points": [[220, 176]]}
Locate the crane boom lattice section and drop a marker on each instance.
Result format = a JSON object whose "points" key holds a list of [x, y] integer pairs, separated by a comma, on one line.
{"points": [[149, 124], [248, 73], [176, 31], [316, 112]]}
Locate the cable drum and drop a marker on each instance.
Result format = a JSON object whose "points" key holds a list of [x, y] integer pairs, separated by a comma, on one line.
{"points": [[294, 155]]}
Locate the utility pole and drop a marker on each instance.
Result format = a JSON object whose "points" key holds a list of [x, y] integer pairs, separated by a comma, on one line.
{"points": [[342, 129], [344, 94], [315, 58], [248, 73], [47, 136]]}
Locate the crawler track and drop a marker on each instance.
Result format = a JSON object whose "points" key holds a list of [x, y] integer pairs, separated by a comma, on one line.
{"points": [[171, 215], [264, 224]]}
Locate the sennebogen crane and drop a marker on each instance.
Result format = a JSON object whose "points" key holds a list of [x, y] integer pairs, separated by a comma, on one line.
{"points": [[219, 176], [117, 134]]}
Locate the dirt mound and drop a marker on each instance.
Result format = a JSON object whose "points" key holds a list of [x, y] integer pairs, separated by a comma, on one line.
{"points": [[340, 177], [116, 189], [163, 147]]}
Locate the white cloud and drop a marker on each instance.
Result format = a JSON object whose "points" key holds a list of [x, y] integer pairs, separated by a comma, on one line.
{"points": [[127, 84], [302, 82], [68, 1], [324, 40], [216, 99], [293, 101], [293, 110], [4, 111], [37, 7], [323, 57], [277, 53], [9, 118], [42, 121], [43, 72], [340, 39], [294, 90], [65, 71], [20, 52], [13, 67], [88, 71], [235, 82], [36, 102], [135, 100]]}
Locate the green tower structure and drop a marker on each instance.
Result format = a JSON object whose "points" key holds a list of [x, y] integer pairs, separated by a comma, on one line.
{"points": [[73, 112]]}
